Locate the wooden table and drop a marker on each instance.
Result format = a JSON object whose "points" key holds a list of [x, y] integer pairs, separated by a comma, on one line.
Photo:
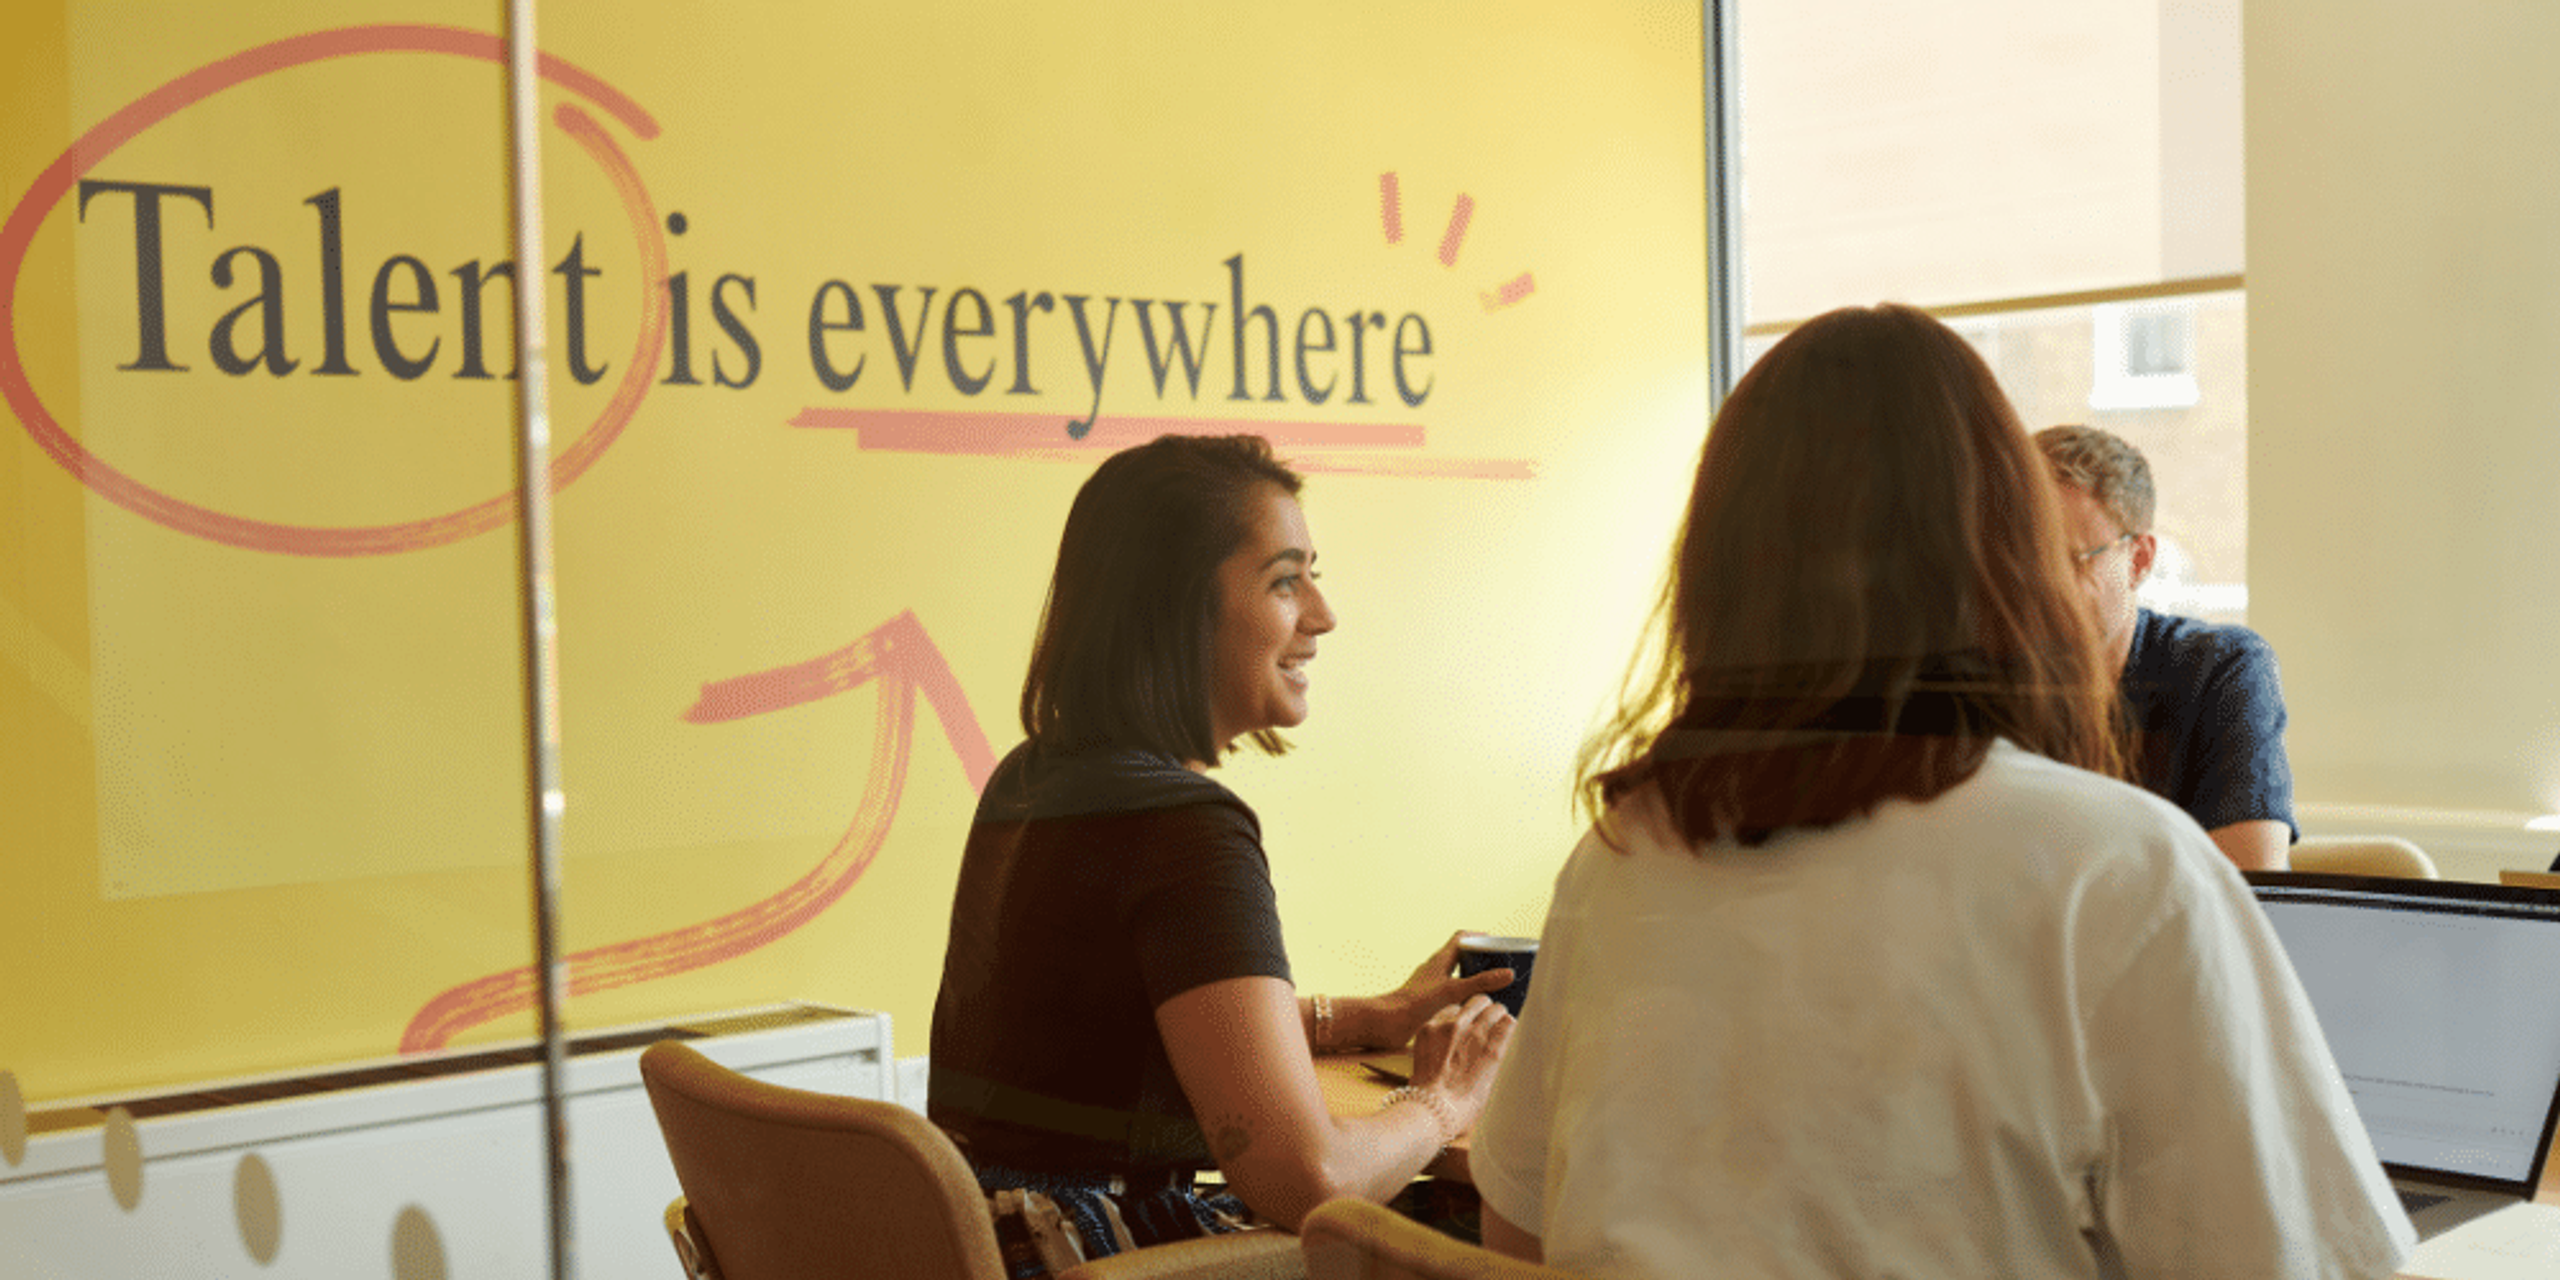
{"points": [[1351, 1089]]}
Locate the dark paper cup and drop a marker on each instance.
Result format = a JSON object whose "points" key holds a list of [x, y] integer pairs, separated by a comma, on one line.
{"points": [[1478, 952]]}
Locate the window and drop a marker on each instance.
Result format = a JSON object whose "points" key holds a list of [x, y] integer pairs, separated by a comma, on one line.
{"points": [[2050, 360], [2144, 355], [2061, 184]]}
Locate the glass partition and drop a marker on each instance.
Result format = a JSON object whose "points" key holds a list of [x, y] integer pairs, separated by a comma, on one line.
{"points": [[259, 656], [844, 301]]}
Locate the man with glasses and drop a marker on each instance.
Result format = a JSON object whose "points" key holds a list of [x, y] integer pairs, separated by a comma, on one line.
{"points": [[2206, 710]]}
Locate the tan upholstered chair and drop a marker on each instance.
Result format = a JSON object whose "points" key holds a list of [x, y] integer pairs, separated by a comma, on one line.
{"points": [[786, 1184], [1357, 1240], [2365, 856]]}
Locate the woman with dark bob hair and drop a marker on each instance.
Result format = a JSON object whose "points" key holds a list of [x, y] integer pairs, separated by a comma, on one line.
{"points": [[1116, 1013], [1866, 966]]}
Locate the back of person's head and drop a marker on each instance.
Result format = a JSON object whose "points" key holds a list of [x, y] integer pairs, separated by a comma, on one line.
{"points": [[1870, 586], [2110, 469], [1123, 653]]}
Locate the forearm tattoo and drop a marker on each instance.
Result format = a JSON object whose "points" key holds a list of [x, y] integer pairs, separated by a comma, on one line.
{"points": [[1230, 1138]]}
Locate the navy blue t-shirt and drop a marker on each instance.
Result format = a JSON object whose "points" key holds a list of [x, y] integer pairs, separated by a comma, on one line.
{"points": [[2208, 718]]}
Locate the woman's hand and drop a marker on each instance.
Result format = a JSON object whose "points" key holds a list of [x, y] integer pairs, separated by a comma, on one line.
{"points": [[1236, 1046], [1456, 1052], [1432, 987]]}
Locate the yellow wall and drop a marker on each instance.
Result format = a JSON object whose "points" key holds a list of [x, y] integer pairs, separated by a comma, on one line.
{"points": [[258, 674]]}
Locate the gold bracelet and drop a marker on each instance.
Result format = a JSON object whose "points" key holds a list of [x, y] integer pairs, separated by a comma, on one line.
{"points": [[1324, 1022], [1441, 1115]]}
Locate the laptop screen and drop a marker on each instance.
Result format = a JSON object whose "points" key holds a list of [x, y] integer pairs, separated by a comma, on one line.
{"points": [[2441, 1004]]}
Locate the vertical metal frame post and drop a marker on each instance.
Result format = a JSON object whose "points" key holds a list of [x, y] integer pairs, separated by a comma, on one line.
{"points": [[540, 623], [1716, 28]]}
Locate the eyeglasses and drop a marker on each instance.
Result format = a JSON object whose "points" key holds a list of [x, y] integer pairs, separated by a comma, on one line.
{"points": [[2083, 559]]}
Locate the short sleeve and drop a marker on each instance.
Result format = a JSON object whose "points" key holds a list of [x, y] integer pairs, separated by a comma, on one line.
{"points": [[2232, 1147], [1507, 1152], [1200, 907], [2242, 772]]}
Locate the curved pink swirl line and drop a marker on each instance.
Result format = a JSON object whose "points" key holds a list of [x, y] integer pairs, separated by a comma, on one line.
{"points": [[712, 941], [905, 661], [17, 234]]}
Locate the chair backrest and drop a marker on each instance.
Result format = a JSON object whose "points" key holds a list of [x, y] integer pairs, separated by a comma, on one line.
{"points": [[1356, 1240], [786, 1184], [2364, 856]]}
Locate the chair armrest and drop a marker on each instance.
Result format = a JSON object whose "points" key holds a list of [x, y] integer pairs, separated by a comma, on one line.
{"points": [[1268, 1254]]}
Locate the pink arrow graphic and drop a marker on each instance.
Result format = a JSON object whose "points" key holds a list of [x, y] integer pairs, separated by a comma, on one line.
{"points": [[903, 660]]}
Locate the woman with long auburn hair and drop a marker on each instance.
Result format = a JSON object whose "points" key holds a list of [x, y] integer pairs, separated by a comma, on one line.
{"points": [[1865, 595], [1867, 966]]}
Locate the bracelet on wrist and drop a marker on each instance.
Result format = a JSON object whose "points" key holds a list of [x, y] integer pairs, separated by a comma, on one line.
{"points": [[1324, 1022], [1441, 1115]]}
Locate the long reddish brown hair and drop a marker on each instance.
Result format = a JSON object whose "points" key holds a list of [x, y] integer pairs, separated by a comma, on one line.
{"points": [[1871, 584]]}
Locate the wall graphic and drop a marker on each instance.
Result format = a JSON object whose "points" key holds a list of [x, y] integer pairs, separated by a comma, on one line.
{"points": [[153, 203], [900, 661], [846, 299]]}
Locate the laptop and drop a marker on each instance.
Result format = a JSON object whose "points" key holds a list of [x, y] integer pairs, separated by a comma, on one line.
{"points": [[2440, 1000]]}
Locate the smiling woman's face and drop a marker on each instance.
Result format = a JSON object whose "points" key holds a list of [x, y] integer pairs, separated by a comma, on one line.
{"points": [[1270, 613]]}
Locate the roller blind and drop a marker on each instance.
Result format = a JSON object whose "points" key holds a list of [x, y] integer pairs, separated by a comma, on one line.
{"points": [[1946, 152]]}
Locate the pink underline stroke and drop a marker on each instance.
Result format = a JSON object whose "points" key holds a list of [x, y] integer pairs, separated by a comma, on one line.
{"points": [[1011, 434]]}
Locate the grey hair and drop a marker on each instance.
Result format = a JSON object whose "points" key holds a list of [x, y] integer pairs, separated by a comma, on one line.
{"points": [[2113, 471]]}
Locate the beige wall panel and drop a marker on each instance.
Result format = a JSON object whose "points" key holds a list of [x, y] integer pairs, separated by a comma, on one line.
{"points": [[2404, 443]]}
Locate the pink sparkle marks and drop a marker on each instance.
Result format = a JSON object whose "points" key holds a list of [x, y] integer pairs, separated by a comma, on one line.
{"points": [[1509, 293], [1512, 291], [1457, 233]]}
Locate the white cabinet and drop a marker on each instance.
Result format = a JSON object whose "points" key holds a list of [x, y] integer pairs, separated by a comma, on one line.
{"points": [[431, 1169]]}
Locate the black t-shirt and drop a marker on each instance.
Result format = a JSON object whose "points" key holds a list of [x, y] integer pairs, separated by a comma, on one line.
{"points": [[1095, 887]]}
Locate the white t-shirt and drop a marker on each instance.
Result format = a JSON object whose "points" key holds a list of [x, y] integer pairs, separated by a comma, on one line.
{"points": [[2036, 1027]]}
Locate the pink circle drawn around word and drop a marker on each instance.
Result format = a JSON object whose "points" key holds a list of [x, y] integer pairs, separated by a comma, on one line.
{"points": [[17, 235]]}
